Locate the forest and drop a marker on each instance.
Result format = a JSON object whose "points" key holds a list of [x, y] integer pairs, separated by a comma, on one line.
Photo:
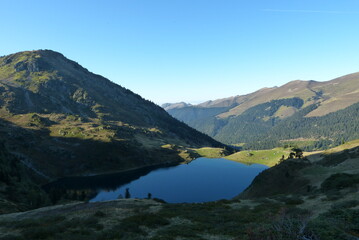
{"points": [[260, 127]]}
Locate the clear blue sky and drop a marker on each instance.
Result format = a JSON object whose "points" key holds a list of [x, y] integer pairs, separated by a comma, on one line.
{"points": [[191, 50]]}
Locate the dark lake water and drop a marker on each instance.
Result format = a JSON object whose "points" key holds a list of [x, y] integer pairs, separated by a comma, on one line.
{"points": [[202, 180]]}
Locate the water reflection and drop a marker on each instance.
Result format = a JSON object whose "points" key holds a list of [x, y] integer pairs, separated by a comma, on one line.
{"points": [[201, 180]]}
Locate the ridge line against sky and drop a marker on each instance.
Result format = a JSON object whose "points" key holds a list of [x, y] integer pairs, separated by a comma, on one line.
{"points": [[191, 51]]}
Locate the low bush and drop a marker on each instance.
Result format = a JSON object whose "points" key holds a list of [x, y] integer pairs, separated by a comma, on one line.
{"points": [[148, 219], [339, 181], [338, 223], [346, 204]]}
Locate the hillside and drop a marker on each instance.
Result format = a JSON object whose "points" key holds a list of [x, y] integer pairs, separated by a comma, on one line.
{"points": [[324, 114], [333, 172], [59, 119], [314, 199], [19, 190], [168, 106]]}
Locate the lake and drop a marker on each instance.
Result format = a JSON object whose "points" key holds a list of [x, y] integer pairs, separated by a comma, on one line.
{"points": [[201, 180]]}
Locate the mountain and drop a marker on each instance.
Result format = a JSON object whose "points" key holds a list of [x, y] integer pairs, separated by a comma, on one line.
{"points": [[168, 106], [322, 114], [59, 119]]}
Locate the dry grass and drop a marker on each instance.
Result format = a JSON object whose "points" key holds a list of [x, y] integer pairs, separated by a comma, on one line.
{"points": [[265, 157], [211, 152]]}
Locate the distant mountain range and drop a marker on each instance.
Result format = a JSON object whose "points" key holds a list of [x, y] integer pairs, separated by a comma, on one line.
{"points": [[311, 114], [60, 119]]}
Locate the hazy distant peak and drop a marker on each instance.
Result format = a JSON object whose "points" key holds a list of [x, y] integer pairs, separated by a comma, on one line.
{"points": [[168, 106], [295, 82], [267, 88], [333, 95], [353, 77], [222, 102]]}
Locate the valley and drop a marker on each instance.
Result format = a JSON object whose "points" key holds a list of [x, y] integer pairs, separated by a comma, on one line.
{"points": [[179, 120], [286, 210], [311, 115], [59, 121]]}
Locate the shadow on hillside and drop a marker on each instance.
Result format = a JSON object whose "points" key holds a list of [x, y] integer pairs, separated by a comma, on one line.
{"points": [[67, 156], [87, 187], [287, 177]]}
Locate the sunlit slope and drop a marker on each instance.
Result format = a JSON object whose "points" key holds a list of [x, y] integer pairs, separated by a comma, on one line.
{"points": [[265, 157], [63, 120], [335, 170], [319, 114]]}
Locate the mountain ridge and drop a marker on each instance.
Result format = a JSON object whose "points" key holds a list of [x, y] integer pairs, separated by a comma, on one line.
{"points": [[69, 120], [233, 120], [293, 87]]}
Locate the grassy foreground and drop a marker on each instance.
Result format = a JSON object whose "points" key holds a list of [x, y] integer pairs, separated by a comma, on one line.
{"points": [[280, 217]]}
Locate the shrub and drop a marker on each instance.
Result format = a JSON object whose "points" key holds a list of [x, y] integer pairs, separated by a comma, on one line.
{"points": [[99, 214], [346, 204], [11, 237], [339, 181], [147, 219], [338, 223]]}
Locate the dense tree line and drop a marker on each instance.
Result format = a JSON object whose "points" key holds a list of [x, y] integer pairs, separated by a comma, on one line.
{"points": [[330, 130], [260, 128], [254, 122]]}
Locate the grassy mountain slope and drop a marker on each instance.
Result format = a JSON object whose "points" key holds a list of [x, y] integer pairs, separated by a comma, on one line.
{"points": [[338, 93], [265, 118], [333, 173], [176, 105], [315, 199], [62, 120], [269, 157]]}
